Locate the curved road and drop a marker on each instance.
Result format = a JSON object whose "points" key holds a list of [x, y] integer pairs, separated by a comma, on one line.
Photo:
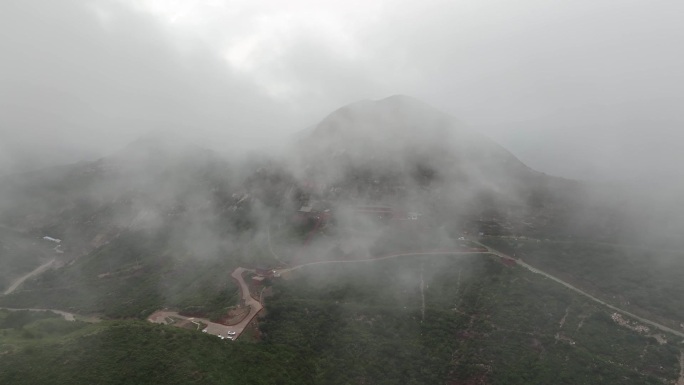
{"points": [[254, 305], [35, 272], [65, 315], [417, 253], [579, 291], [517, 261], [214, 328], [39, 270]]}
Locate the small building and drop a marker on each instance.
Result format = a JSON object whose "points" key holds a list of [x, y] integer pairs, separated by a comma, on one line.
{"points": [[55, 240], [305, 209]]}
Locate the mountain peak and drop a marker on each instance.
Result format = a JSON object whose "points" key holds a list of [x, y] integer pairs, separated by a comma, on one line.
{"points": [[403, 100], [400, 130], [162, 142], [396, 122], [398, 104], [159, 151], [400, 98]]}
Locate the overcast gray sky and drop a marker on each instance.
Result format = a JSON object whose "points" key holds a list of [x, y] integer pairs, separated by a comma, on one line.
{"points": [[582, 88]]}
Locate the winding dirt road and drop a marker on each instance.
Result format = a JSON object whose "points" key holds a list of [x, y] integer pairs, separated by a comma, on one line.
{"points": [[579, 291], [506, 257], [38, 270], [214, 328], [65, 315], [416, 253], [254, 305]]}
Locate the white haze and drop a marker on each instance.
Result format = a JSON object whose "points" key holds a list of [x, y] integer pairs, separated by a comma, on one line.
{"points": [[583, 89]]}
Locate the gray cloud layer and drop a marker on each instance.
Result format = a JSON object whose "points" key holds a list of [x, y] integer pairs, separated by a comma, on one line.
{"points": [[582, 89]]}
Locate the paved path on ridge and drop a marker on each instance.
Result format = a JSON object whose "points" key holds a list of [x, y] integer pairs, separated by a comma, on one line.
{"points": [[65, 315], [416, 253], [38, 270], [579, 291], [507, 257]]}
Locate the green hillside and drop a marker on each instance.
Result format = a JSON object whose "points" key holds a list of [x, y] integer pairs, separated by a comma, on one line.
{"points": [[480, 322]]}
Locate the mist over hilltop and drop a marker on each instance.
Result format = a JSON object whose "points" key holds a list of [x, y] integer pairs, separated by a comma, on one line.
{"points": [[484, 192], [396, 152], [601, 102]]}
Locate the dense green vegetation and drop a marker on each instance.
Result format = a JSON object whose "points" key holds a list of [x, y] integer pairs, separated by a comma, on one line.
{"points": [[133, 276], [364, 324], [163, 224], [19, 254], [29, 331], [134, 352], [648, 281], [361, 324]]}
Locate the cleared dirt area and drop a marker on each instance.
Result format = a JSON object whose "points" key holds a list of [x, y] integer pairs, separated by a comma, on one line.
{"points": [[235, 316], [251, 306], [254, 305], [173, 318]]}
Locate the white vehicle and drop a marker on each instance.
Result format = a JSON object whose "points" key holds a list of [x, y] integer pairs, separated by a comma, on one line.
{"points": [[204, 330], [231, 333], [55, 240]]}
